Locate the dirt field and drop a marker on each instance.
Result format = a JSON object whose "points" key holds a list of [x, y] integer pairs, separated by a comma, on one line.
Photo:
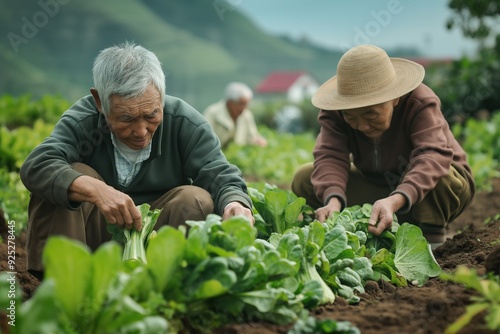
{"points": [[385, 308]]}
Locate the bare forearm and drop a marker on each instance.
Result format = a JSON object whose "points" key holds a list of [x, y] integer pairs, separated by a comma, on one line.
{"points": [[398, 201], [84, 189], [116, 206]]}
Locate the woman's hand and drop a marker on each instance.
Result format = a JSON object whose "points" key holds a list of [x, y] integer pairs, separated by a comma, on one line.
{"points": [[326, 211], [383, 211]]}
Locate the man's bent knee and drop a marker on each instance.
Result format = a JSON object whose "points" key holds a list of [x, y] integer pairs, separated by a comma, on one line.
{"points": [[183, 203]]}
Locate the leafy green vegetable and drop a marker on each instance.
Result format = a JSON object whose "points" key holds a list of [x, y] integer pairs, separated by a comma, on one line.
{"points": [[279, 210], [134, 241], [488, 300], [312, 325], [302, 247], [85, 293], [399, 255], [384, 268], [277, 162], [312, 238], [413, 257], [165, 252], [72, 273], [232, 276], [355, 220], [218, 272]]}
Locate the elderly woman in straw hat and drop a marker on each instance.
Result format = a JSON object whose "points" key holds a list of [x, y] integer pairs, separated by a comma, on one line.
{"points": [[384, 141]]}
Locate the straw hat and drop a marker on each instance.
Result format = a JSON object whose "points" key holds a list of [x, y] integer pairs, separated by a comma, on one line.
{"points": [[367, 76]]}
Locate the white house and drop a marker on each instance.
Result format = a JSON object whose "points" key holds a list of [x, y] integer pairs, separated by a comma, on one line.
{"points": [[295, 86]]}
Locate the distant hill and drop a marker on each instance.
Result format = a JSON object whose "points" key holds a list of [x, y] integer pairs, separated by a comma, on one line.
{"points": [[48, 46]]}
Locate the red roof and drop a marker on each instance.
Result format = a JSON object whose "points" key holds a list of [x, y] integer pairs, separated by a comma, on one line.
{"points": [[279, 82]]}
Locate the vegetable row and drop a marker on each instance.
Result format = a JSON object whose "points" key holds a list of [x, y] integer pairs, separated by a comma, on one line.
{"points": [[218, 272]]}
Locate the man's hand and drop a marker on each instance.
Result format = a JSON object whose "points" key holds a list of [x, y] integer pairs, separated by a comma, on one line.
{"points": [[324, 212], [383, 211], [260, 141], [116, 206], [237, 209]]}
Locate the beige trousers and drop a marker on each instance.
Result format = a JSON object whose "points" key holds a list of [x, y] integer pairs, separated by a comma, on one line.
{"points": [[88, 225], [439, 207]]}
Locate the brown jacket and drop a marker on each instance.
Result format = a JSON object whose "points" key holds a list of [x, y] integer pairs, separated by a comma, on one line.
{"points": [[410, 157]]}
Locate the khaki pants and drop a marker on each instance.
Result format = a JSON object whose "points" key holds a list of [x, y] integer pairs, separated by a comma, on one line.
{"points": [[439, 207], [88, 225]]}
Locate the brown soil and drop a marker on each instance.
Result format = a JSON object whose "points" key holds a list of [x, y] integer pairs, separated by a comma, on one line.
{"points": [[429, 309], [385, 308]]}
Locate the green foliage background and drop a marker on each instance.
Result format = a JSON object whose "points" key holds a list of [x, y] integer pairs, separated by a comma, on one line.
{"points": [[274, 164]]}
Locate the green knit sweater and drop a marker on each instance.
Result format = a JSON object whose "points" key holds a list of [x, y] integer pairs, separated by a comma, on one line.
{"points": [[185, 151]]}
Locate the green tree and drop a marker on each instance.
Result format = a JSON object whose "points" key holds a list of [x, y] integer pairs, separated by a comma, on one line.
{"points": [[474, 17], [470, 84]]}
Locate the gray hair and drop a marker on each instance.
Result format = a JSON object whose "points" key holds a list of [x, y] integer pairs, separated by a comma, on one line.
{"points": [[126, 70], [237, 90]]}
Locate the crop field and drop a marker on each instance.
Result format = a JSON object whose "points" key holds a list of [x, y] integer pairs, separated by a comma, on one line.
{"points": [[287, 274]]}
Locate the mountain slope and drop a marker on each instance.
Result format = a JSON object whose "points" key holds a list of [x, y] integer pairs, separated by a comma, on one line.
{"points": [[201, 47]]}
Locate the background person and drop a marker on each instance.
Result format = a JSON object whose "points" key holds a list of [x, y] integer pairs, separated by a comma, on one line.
{"points": [[405, 159], [126, 144], [231, 119]]}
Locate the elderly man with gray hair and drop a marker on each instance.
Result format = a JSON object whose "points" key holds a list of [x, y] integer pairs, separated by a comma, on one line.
{"points": [[231, 119], [126, 144]]}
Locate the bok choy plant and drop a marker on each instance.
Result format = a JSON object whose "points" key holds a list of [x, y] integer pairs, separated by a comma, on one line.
{"points": [[135, 242], [342, 251]]}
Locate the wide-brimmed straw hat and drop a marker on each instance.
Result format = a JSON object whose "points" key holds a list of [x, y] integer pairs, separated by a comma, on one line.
{"points": [[367, 76]]}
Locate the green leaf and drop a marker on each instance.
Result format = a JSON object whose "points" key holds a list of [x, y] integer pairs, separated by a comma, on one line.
{"points": [[69, 264], [42, 313], [335, 243], [413, 256], [363, 266], [383, 263], [134, 241], [276, 202], [468, 277], [470, 311], [493, 316], [316, 233], [293, 211], [277, 266], [165, 254], [106, 262], [240, 231], [209, 278], [263, 300], [289, 248], [121, 312], [213, 287], [148, 325]]}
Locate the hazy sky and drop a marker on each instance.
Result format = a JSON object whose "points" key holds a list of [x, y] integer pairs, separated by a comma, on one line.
{"points": [[342, 24]]}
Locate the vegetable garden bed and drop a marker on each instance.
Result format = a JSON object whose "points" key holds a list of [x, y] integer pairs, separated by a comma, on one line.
{"points": [[429, 309], [383, 308]]}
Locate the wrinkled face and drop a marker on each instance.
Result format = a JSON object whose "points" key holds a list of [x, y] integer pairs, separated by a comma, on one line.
{"points": [[373, 121], [235, 108], [135, 120]]}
